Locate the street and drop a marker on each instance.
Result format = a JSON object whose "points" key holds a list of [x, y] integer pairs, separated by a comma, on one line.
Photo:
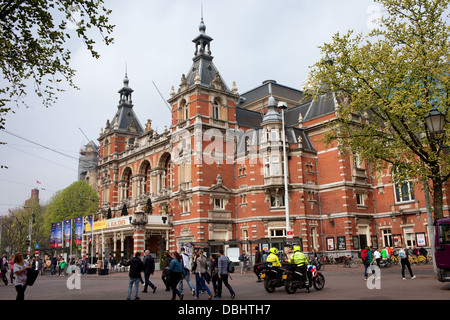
{"points": [[340, 284]]}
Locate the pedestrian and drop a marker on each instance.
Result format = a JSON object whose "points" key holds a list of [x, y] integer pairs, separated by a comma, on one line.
{"points": [[384, 254], [264, 256], [200, 275], [165, 270], [11, 271], [149, 269], [54, 265], [256, 266], [84, 265], [176, 270], [223, 275], [377, 256], [366, 257], [214, 272], [20, 272], [113, 263], [62, 266], [403, 254], [186, 272], [4, 268], [136, 267], [243, 258]]}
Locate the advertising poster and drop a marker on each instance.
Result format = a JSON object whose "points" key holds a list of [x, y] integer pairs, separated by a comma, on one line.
{"points": [[78, 230], [59, 235], [67, 232], [52, 235]]}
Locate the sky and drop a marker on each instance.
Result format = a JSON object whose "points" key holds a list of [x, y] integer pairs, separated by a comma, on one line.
{"points": [[254, 41]]}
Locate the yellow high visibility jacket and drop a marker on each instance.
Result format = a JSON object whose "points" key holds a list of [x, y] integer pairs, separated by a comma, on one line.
{"points": [[274, 259], [298, 258]]}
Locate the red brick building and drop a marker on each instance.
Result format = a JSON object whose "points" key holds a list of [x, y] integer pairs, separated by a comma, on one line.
{"points": [[215, 177]]}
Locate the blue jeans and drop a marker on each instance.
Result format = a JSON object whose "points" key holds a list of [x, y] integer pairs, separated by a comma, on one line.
{"points": [[136, 287], [148, 282], [200, 284], [188, 280]]}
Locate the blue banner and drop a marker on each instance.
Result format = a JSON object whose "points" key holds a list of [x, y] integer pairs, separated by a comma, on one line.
{"points": [[52, 235], [68, 232], [59, 235], [78, 230]]}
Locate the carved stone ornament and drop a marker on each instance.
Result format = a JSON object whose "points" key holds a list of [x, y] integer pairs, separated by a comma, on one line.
{"points": [[139, 220]]}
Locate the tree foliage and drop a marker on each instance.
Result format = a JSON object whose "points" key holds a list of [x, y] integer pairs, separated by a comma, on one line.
{"points": [[77, 200], [15, 227], [386, 82], [34, 49]]}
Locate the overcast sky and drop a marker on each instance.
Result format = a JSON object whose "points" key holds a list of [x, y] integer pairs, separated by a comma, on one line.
{"points": [[254, 40]]}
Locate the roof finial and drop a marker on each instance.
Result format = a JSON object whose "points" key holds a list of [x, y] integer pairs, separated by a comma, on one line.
{"points": [[202, 27], [125, 81]]}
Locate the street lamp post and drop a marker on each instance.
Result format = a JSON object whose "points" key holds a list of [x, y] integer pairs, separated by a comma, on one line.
{"points": [[289, 234]]}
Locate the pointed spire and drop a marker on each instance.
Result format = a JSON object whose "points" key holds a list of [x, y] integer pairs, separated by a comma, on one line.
{"points": [[125, 80]]}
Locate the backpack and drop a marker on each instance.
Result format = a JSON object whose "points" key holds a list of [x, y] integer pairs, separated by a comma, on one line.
{"points": [[364, 255], [230, 268]]}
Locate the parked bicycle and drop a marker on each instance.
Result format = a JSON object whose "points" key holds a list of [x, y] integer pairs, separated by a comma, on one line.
{"points": [[349, 262]]}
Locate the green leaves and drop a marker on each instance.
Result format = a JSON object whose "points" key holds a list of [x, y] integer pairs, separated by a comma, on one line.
{"points": [[33, 41], [388, 81]]}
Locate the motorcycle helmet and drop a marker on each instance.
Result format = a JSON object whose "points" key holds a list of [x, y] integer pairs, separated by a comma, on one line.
{"points": [[297, 248], [273, 250]]}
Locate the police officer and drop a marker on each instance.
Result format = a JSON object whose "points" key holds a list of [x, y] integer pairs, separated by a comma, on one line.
{"points": [[299, 259], [273, 258]]}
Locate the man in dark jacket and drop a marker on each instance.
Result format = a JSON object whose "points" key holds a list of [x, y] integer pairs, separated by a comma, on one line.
{"points": [[136, 267], [149, 268]]}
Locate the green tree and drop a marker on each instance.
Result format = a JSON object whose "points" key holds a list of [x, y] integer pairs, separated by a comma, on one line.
{"points": [[385, 83], [16, 227], [34, 49], [77, 200]]}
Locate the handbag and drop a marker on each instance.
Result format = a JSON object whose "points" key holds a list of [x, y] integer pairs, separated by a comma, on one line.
{"points": [[31, 276], [207, 277]]}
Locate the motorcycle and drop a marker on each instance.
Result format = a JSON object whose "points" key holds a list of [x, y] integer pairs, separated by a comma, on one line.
{"points": [[293, 279], [272, 277]]}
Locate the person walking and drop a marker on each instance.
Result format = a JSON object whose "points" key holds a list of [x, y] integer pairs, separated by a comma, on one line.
{"points": [[11, 269], [176, 270], [223, 275], [54, 265], [214, 273], [366, 257], [20, 271], [165, 270], [200, 275], [186, 272], [256, 266], [243, 258], [403, 254], [4, 268], [377, 256], [136, 267], [149, 269]]}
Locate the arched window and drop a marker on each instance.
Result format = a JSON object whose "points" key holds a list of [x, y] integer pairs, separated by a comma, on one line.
{"points": [[184, 111], [216, 109]]}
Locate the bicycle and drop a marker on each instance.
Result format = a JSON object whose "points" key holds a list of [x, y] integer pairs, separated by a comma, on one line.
{"points": [[349, 262]]}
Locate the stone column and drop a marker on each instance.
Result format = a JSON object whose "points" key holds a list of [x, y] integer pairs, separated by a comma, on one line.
{"points": [[139, 221]]}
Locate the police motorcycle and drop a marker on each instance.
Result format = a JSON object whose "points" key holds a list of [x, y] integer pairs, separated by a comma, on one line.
{"points": [[293, 278], [271, 275]]}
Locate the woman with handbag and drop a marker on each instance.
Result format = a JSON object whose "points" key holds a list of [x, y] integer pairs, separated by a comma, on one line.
{"points": [[200, 275], [20, 272]]}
